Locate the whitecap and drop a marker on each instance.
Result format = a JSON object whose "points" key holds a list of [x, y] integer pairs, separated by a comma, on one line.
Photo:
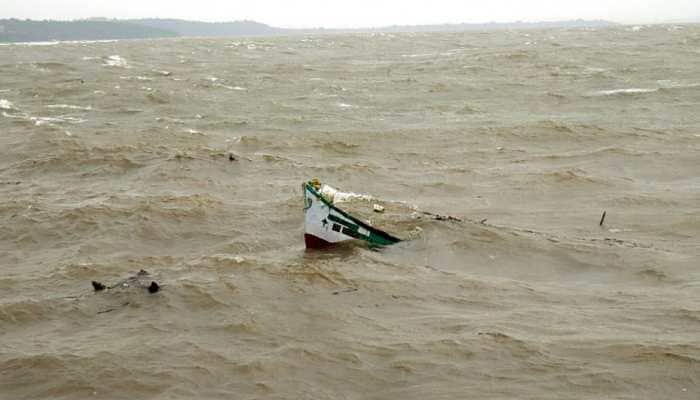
{"points": [[345, 105], [53, 43], [38, 121], [69, 106], [73, 120], [613, 92], [116, 61], [336, 196], [237, 88], [6, 105], [15, 116], [90, 41], [56, 42], [418, 55]]}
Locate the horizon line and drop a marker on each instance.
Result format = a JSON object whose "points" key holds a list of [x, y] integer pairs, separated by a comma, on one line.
{"points": [[690, 20]]}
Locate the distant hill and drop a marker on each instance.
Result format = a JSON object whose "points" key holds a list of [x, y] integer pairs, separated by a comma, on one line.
{"points": [[209, 29], [15, 30]]}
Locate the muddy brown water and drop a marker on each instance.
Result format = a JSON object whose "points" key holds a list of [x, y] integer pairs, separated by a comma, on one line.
{"points": [[114, 157]]}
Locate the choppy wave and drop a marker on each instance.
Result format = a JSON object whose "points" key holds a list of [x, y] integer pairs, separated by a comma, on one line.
{"points": [[663, 85], [58, 42], [6, 105], [613, 92], [31, 44], [42, 121], [184, 158], [70, 107], [116, 61]]}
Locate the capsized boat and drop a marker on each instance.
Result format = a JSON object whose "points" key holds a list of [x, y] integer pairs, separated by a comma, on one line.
{"points": [[325, 224]]}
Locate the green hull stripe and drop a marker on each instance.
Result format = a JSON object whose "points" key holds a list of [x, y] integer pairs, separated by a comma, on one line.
{"points": [[375, 237], [343, 222]]}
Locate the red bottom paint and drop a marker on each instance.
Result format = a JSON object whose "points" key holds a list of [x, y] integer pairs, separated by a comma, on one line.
{"points": [[315, 242]]}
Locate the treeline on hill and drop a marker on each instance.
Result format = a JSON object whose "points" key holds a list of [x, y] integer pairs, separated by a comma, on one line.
{"points": [[209, 29], [15, 30]]}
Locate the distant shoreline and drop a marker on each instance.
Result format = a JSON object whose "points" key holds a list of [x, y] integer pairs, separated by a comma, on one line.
{"points": [[28, 31]]}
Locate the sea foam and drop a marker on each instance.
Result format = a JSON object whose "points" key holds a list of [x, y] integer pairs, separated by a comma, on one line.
{"points": [[6, 105], [70, 107], [116, 61], [613, 92]]}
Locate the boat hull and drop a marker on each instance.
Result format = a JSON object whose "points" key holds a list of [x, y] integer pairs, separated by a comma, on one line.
{"points": [[315, 242], [326, 224]]}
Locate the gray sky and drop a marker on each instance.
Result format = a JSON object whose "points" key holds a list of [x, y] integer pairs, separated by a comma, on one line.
{"points": [[358, 13]]}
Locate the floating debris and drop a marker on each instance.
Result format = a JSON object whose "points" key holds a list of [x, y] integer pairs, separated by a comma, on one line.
{"points": [[139, 280], [154, 287], [439, 217], [348, 290], [325, 223]]}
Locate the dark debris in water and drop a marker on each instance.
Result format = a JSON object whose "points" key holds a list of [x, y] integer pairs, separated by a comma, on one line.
{"points": [[139, 280], [154, 287], [348, 290]]}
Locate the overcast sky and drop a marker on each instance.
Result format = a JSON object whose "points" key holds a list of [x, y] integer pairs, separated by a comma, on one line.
{"points": [[358, 13]]}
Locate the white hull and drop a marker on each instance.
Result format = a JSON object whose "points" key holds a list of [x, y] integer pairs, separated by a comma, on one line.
{"points": [[325, 224]]}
